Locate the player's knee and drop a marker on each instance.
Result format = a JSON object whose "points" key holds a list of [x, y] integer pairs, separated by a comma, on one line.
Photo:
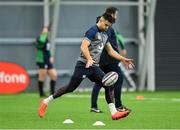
{"points": [[54, 76], [42, 76]]}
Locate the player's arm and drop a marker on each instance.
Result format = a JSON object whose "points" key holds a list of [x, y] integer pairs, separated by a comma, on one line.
{"points": [[128, 62], [41, 40], [121, 42], [85, 51], [51, 59]]}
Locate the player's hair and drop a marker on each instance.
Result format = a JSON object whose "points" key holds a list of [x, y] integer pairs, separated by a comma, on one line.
{"points": [[111, 10], [108, 17]]}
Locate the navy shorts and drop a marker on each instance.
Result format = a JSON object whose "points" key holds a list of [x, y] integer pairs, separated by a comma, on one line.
{"points": [[94, 73]]}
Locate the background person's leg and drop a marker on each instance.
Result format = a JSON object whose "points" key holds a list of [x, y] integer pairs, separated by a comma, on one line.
{"points": [[94, 95], [53, 76], [41, 77]]}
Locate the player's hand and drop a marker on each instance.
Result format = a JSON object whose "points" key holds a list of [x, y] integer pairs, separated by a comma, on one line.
{"points": [[124, 52], [89, 63], [129, 63], [51, 59]]}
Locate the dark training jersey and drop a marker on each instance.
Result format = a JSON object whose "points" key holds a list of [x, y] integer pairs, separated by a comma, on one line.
{"points": [[43, 48], [105, 57], [113, 37], [97, 40]]}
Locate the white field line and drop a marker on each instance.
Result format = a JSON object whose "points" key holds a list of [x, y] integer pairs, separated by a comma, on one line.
{"points": [[131, 98], [91, 129]]}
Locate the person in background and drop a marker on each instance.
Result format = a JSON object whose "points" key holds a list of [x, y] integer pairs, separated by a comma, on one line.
{"points": [[45, 61], [108, 64]]}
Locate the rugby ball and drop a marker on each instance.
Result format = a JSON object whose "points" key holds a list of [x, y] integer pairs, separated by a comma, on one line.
{"points": [[110, 79]]}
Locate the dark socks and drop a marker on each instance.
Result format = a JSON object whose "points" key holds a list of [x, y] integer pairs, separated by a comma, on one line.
{"points": [[40, 86], [52, 85]]}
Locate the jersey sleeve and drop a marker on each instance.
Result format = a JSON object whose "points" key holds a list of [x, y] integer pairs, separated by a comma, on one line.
{"points": [[107, 41], [120, 40], [41, 40], [90, 34]]}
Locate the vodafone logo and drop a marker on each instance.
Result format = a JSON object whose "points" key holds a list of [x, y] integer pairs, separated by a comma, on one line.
{"points": [[13, 78]]}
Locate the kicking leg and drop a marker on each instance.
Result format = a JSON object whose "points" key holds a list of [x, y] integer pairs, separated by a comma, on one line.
{"points": [[73, 84]]}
